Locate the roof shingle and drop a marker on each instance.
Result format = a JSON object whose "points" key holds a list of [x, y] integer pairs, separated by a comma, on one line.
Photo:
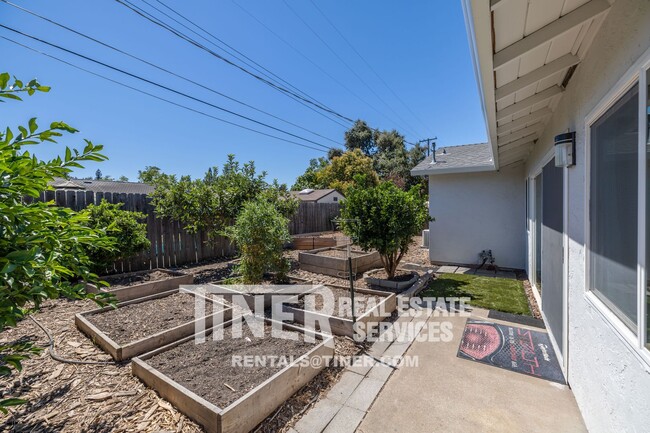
{"points": [[457, 159]]}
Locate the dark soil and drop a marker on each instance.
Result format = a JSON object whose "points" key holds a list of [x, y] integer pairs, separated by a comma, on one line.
{"points": [[207, 369], [342, 309], [400, 275], [122, 280], [136, 321]]}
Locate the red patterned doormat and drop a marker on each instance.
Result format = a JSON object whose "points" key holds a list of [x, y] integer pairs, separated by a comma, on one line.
{"points": [[517, 349]]}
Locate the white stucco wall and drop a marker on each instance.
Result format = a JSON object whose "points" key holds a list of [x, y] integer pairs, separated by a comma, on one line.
{"points": [[611, 384], [329, 198], [477, 211]]}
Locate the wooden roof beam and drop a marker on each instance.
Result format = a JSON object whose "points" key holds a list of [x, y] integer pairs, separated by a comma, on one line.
{"points": [[536, 75], [529, 102], [523, 121], [531, 130], [550, 31]]}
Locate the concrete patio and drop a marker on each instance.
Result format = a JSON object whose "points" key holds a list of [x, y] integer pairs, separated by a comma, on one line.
{"points": [[442, 394]]}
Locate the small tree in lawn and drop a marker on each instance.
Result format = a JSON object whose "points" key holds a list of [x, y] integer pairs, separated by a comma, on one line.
{"points": [[127, 230], [384, 218], [260, 233]]}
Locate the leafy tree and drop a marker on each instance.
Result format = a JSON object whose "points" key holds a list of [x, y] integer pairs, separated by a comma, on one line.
{"points": [[384, 218], [216, 200], [123, 178], [150, 174], [42, 247], [309, 178], [347, 170], [260, 233], [98, 175], [360, 136], [391, 159], [129, 234], [334, 152]]}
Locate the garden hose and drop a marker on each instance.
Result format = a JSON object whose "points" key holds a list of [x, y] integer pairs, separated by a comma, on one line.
{"points": [[58, 358]]}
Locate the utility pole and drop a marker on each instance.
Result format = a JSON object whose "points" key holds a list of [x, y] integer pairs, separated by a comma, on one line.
{"points": [[428, 141]]}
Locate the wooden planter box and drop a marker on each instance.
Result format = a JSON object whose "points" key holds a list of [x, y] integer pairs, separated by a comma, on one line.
{"points": [[300, 242], [343, 326], [362, 261], [393, 286], [128, 293], [249, 410], [229, 290], [121, 352]]}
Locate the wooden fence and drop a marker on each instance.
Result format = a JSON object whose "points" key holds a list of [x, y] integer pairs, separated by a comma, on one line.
{"points": [[171, 245]]}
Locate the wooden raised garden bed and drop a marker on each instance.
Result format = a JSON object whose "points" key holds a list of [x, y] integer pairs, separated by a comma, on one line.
{"points": [[144, 324], [267, 291], [402, 280], [333, 261], [370, 306], [133, 285], [312, 242], [201, 380]]}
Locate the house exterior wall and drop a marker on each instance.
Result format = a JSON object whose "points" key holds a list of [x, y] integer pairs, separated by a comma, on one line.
{"points": [[610, 382], [476, 211], [330, 198]]}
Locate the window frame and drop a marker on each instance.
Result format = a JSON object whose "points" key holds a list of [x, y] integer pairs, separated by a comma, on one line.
{"points": [[638, 73]]}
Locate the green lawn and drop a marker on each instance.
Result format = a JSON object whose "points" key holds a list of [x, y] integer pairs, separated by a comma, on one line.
{"points": [[500, 294]]}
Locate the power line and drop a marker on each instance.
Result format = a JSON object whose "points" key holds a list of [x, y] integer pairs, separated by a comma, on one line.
{"points": [[367, 64], [153, 83], [290, 45], [188, 39], [255, 65], [167, 71], [350, 69], [159, 97]]}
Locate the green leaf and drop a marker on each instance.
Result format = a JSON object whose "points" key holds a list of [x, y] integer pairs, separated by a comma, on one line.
{"points": [[32, 125], [4, 80]]}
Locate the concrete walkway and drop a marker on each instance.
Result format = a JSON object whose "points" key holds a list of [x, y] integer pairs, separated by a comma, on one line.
{"points": [[448, 394], [442, 393]]}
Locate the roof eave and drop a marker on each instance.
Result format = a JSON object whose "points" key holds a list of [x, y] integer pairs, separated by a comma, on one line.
{"points": [[453, 170], [478, 22]]}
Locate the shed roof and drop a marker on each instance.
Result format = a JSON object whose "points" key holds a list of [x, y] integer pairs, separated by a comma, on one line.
{"points": [[312, 194], [114, 187], [457, 159]]}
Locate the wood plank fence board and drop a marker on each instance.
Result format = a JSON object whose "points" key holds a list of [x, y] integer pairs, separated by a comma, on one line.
{"points": [[171, 244]]}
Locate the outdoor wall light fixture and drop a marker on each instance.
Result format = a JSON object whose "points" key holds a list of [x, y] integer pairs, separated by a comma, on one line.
{"points": [[565, 149]]}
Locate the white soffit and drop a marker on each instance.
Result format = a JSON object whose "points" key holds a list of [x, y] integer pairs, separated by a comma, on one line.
{"points": [[536, 45]]}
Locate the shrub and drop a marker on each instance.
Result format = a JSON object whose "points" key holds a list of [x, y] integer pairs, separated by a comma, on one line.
{"points": [[384, 218], [42, 247], [215, 201], [128, 233], [260, 233]]}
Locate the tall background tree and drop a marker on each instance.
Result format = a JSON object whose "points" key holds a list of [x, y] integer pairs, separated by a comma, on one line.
{"points": [[391, 160]]}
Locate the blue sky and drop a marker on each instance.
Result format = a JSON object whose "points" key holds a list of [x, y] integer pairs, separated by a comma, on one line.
{"points": [[419, 48]]}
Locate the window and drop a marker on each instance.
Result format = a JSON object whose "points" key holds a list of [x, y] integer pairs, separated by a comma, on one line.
{"points": [[613, 207], [336, 199]]}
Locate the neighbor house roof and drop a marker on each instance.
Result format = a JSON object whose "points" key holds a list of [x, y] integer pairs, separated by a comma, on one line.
{"points": [[457, 159], [524, 55], [312, 194], [114, 187]]}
